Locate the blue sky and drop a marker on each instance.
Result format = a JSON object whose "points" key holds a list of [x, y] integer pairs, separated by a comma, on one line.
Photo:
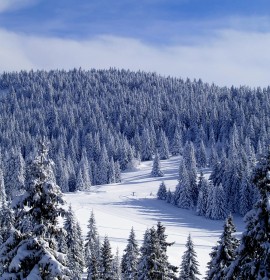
{"points": [[196, 38]]}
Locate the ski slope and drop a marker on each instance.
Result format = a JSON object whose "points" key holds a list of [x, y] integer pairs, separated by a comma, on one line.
{"points": [[118, 207]]}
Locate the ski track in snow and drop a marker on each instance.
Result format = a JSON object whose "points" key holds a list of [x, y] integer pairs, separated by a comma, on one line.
{"points": [[118, 207]]}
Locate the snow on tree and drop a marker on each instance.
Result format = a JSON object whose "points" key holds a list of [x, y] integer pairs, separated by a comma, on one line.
{"points": [[3, 196], [213, 157], [190, 163], [14, 174], [168, 269], [106, 260], [153, 263], [129, 263], [189, 268], [176, 147], [216, 204], [201, 158], [203, 197], [162, 191], [163, 146], [32, 254], [147, 149], [117, 172], [116, 266], [92, 249], [156, 171], [6, 222], [169, 196], [80, 183], [111, 171], [253, 254], [75, 256], [223, 254]]}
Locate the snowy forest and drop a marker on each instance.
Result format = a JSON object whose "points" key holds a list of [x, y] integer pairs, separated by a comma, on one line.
{"points": [[69, 131]]}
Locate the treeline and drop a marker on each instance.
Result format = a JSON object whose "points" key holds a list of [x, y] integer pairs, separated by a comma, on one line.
{"points": [[100, 122], [35, 246]]}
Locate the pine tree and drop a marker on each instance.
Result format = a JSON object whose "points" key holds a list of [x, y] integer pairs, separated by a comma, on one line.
{"points": [[162, 191], [163, 147], [129, 263], [92, 249], [253, 255], [117, 172], [149, 262], [203, 197], [116, 266], [201, 155], [223, 254], [189, 268], [176, 147], [106, 261], [156, 172], [167, 269], [41, 260], [216, 204], [169, 196], [74, 245]]}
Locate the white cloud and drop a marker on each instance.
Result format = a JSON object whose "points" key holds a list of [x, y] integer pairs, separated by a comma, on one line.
{"points": [[232, 57], [6, 5]]}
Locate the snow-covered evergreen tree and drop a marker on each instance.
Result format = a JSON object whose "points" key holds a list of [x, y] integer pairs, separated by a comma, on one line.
{"points": [[163, 146], [92, 250], [129, 263], [176, 147], [116, 266], [216, 204], [41, 260], [201, 158], [223, 254], [203, 197], [189, 268], [106, 261], [14, 174], [75, 255], [156, 171], [162, 191], [169, 196], [117, 172], [253, 255]]}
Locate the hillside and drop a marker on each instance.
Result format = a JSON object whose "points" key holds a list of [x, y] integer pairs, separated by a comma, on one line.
{"points": [[117, 210]]}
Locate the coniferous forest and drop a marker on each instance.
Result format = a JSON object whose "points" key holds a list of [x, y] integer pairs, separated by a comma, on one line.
{"points": [[69, 131]]}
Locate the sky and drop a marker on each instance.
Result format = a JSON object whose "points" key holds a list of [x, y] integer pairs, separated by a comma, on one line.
{"points": [[224, 42]]}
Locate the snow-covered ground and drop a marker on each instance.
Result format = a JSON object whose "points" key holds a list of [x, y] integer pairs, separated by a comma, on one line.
{"points": [[118, 207]]}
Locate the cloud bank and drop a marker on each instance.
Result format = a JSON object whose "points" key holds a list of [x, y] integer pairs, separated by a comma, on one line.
{"points": [[228, 58]]}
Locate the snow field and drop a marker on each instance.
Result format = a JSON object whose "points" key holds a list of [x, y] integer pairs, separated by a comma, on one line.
{"points": [[118, 207]]}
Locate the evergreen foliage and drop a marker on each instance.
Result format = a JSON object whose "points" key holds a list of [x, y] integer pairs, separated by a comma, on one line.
{"points": [[74, 242], [106, 261], [223, 254], [253, 255], [162, 191], [129, 263], [31, 252], [189, 266], [156, 171]]}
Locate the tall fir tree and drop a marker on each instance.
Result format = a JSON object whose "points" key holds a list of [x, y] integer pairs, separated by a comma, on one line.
{"points": [[253, 255], [74, 245], [129, 263], [224, 253], [156, 171], [189, 268], [92, 250], [40, 206], [162, 191], [106, 261]]}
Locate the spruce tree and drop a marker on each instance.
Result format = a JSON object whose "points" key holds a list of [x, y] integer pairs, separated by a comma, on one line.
{"points": [[203, 197], [40, 205], [162, 191], [74, 245], [253, 255], [92, 249], [129, 263], [156, 171], [189, 268], [106, 261], [223, 254]]}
